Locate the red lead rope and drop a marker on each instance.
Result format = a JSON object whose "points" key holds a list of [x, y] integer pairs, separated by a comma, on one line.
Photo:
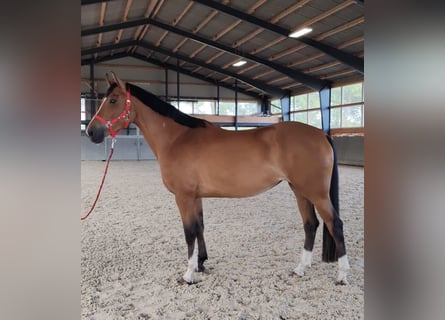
{"points": [[103, 180]]}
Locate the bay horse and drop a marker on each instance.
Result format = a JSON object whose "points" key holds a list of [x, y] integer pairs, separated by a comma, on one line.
{"points": [[198, 159]]}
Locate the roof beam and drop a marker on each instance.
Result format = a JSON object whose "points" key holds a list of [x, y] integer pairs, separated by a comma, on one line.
{"points": [[115, 26], [85, 2], [168, 66], [298, 76], [191, 74], [113, 46], [272, 90], [103, 59], [244, 16], [346, 58]]}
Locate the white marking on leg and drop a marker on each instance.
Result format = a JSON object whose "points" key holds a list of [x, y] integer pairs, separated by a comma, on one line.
{"points": [[194, 259], [192, 266], [343, 270], [306, 261]]}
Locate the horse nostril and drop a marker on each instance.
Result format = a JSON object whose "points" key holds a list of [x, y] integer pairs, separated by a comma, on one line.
{"points": [[96, 134]]}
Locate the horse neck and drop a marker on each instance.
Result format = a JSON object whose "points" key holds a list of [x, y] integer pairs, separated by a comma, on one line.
{"points": [[159, 131]]}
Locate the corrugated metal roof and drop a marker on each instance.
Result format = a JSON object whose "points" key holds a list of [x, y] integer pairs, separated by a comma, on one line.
{"points": [[333, 53]]}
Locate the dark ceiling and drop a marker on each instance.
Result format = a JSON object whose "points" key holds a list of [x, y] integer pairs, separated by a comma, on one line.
{"points": [[203, 38]]}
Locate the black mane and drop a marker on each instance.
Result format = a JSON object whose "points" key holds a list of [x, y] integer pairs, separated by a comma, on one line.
{"points": [[164, 108]]}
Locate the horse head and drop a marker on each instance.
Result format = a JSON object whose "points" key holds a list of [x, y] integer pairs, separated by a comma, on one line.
{"points": [[114, 113]]}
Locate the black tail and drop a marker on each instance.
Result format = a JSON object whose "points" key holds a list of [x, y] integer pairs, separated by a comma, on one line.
{"points": [[329, 253]]}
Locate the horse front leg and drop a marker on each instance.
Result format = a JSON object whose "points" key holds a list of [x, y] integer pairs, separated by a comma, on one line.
{"points": [[202, 251], [193, 229]]}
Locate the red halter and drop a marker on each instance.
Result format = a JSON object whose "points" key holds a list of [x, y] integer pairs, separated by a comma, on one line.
{"points": [[124, 115]]}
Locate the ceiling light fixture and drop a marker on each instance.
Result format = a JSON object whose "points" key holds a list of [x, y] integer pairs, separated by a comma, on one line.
{"points": [[239, 63], [300, 32]]}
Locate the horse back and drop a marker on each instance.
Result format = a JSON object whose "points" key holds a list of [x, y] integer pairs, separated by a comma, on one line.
{"points": [[214, 162]]}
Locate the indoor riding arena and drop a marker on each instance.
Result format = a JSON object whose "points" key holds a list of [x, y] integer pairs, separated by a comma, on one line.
{"points": [[274, 90]]}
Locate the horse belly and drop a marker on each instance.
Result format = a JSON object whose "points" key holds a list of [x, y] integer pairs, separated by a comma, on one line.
{"points": [[238, 183]]}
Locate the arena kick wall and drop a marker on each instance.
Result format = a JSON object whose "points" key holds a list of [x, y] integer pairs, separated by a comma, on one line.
{"points": [[350, 149]]}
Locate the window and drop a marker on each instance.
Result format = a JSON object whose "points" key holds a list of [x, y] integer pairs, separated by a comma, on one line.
{"points": [[186, 106], [82, 113], [336, 118], [314, 118], [336, 96], [227, 108], [299, 103], [347, 106], [313, 100], [247, 108], [305, 108], [300, 117], [351, 117], [239, 128], [204, 107], [352, 93], [275, 106], [85, 109]]}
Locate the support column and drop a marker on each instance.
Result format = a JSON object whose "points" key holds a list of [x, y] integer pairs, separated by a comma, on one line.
{"points": [[325, 108], [177, 81], [92, 92], [236, 104], [166, 84], [285, 107], [217, 99], [265, 106]]}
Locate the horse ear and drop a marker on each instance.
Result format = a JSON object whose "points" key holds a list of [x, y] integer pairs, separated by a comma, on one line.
{"points": [[118, 81], [109, 80]]}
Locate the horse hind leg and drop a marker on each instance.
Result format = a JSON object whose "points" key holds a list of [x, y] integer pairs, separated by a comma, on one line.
{"points": [[335, 227], [310, 224]]}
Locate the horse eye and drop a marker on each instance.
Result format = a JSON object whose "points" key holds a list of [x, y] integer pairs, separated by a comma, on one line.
{"points": [[113, 101]]}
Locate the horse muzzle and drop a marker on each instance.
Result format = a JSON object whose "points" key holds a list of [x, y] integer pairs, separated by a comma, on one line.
{"points": [[96, 134]]}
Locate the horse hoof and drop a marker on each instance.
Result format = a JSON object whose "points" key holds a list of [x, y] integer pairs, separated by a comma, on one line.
{"points": [[343, 282], [201, 269], [181, 281], [299, 271], [190, 277]]}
